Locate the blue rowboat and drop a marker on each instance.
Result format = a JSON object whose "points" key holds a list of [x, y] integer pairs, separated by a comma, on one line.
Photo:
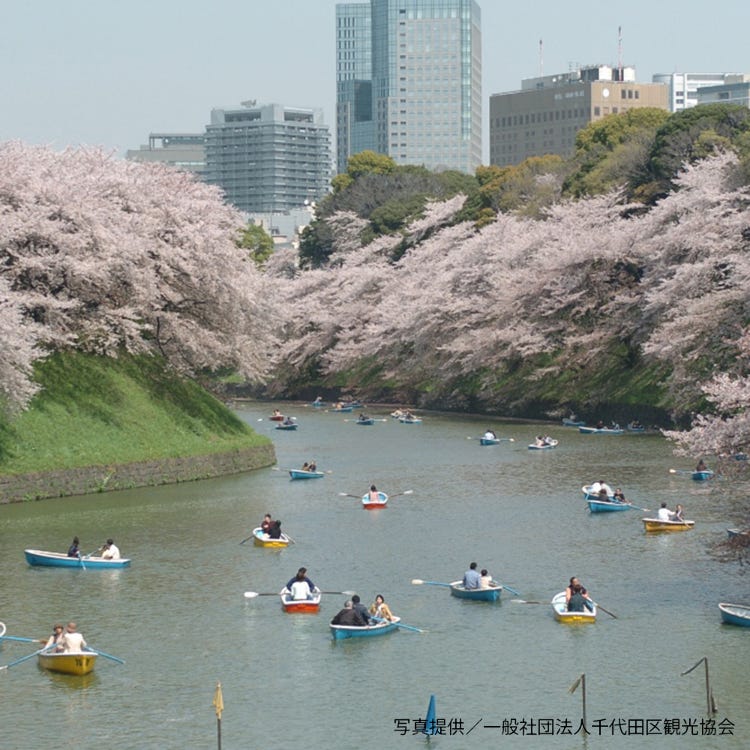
{"points": [[567, 422], [702, 476], [735, 614], [544, 446], [599, 506], [591, 494], [339, 632], [636, 427], [61, 560], [601, 431], [283, 426], [318, 404], [341, 409], [488, 441], [410, 420], [300, 474], [491, 594], [368, 421]]}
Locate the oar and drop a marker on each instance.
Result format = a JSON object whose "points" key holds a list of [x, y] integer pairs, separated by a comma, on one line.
{"points": [[638, 507], [22, 640], [526, 601], [253, 594], [508, 588], [246, 538], [611, 614], [420, 582], [106, 656], [398, 494], [289, 538], [26, 658], [510, 440], [347, 494], [399, 625], [680, 471]]}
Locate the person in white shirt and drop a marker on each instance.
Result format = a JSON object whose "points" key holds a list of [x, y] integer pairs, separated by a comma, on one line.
{"points": [[111, 551], [72, 641], [664, 513]]}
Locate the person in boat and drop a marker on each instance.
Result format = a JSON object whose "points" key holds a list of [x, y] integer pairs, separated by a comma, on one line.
{"points": [[361, 609], [664, 513], [348, 616], [72, 641], [578, 601], [301, 587], [600, 425], [318, 400], [276, 413], [58, 631], [74, 550], [490, 435], [539, 441], [288, 420], [312, 466], [380, 609], [701, 466], [275, 531], [571, 586], [679, 513], [266, 524], [471, 577], [635, 425], [363, 417], [373, 494], [619, 496], [597, 487], [603, 497], [485, 579], [111, 551]]}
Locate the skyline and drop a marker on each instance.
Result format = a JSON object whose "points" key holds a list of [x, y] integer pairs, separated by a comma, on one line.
{"points": [[81, 74]]}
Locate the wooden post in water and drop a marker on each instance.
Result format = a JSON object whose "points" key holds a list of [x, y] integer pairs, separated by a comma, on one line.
{"points": [[710, 702], [582, 682], [218, 703]]}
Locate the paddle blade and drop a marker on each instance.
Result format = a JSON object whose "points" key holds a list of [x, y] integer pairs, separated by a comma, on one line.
{"points": [[417, 581], [251, 594]]}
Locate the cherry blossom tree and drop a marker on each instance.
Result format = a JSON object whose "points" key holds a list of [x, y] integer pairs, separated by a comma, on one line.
{"points": [[106, 256]]}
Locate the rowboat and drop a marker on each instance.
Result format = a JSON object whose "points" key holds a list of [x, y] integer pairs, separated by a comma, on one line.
{"points": [[590, 493], [633, 427], [544, 446], [341, 409], [654, 524], [410, 420], [488, 440], [282, 426], [600, 506], [276, 418], [560, 611], [369, 504], [299, 606], [732, 533], [491, 594], [61, 560], [261, 539], [339, 632], [318, 404], [568, 422], [366, 421], [304, 474], [702, 476], [78, 663], [601, 430], [735, 614]]}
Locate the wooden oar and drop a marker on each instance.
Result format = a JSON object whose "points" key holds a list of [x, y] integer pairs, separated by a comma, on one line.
{"points": [[26, 658], [106, 656], [253, 594], [420, 582], [399, 624], [611, 614]]}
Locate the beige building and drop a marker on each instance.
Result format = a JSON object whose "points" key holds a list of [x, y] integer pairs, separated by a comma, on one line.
{"points": [[545, 115]]}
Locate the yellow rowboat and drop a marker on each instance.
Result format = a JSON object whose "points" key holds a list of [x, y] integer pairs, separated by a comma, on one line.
{"points": [[260, 539], [75, 663], [654, 524], [560, 610]]}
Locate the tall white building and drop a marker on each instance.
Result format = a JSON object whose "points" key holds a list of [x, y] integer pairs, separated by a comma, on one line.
{"points": [[683, 88]]}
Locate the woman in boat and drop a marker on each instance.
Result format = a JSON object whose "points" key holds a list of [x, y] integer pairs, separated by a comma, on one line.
{"points": [[74, 550], [57, 634], [569, 589], [678, 514], [312, 466], [265, 526], [301, 587], [578, 601], [485, 579], [381, 609], [701, 466], [374, 494]]}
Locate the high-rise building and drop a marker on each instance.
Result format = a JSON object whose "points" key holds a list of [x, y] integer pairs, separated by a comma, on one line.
{"points": [[545, 115], [181, 150], [409, 82], [268, 158], [684, 87]]}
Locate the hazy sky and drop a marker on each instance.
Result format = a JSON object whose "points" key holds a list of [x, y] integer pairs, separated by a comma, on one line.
{"points": [[106, 73]]}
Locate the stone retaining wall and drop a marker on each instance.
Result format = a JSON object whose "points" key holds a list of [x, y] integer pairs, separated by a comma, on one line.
{"points": [[83, 481]]}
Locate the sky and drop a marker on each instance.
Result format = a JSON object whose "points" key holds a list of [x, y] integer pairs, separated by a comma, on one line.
{"points": [[102, 73]]}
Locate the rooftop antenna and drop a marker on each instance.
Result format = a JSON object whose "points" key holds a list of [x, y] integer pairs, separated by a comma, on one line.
{"points": [[619, 53], [541, 59]]}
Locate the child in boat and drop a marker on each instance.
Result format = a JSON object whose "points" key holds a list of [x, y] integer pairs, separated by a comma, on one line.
{"points": [[485, 579]]}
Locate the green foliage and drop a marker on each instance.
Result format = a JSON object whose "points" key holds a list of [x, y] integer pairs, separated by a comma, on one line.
{"points": [[255, 239], [369, 162], [98, 410]]}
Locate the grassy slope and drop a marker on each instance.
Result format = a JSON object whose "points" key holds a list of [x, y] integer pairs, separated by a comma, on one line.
{"points": [[96, 410]]}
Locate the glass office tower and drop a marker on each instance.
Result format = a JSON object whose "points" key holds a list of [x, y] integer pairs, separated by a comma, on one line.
{"points": [[425, 81]]}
